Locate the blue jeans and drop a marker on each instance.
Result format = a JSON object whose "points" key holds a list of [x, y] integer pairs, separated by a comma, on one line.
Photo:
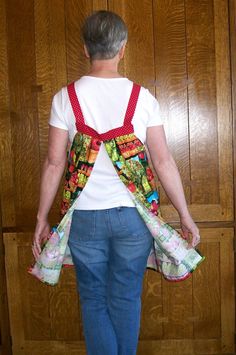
{"points": [[109, 249]]}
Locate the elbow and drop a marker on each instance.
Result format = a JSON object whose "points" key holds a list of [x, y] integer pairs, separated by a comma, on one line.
{"points": [[165, 164], [55, 164]]}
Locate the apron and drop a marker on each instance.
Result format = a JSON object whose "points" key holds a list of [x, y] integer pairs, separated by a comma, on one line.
{"points": [[169, 254]]}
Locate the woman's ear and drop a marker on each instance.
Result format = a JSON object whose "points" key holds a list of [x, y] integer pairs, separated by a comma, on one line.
{"points": [[86, 52], [122, 51]]}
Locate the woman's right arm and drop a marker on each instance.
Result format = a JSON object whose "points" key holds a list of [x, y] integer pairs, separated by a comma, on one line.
{"points": [[52, 171]]}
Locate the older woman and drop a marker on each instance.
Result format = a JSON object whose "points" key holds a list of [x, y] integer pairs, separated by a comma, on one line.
{"points": [[108, 240]]}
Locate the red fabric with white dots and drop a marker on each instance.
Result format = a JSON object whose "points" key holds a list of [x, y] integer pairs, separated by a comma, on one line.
{"points": [[127, 127]]}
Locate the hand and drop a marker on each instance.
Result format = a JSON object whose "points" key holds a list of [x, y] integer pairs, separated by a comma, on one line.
{"points": [[41, 233], [188, 228]]}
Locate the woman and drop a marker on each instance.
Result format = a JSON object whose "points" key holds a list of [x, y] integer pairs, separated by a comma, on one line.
{"points": [[108, 240]]}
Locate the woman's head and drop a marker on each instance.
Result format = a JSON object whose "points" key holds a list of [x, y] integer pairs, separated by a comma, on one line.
{"points": [[104, 33]]}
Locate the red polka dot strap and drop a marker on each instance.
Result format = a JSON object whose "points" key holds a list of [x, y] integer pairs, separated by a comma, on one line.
{"points": [[132, 104], [127, 127]]}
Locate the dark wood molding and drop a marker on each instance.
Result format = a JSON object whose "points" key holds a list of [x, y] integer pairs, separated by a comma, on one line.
{"points": [[5, 334], [232, 37]]}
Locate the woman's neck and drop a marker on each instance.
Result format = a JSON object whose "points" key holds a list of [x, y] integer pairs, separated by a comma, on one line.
{"points": [[104, 68]]}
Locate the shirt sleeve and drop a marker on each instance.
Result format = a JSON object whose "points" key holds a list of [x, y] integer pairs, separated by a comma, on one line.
{"points": [[154, 115], [56, 118]]}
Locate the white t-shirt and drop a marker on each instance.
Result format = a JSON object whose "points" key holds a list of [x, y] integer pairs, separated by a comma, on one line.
{"points": [[104, 102]]}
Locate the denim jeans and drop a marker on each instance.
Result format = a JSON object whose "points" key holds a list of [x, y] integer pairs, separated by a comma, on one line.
{"points": [[109, 249]]}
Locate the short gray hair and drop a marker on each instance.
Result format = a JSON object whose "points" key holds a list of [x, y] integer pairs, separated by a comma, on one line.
{"points": [[104, 33]]}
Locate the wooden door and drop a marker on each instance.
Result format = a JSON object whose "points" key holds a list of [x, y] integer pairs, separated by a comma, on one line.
{"points": [[180, 51]]}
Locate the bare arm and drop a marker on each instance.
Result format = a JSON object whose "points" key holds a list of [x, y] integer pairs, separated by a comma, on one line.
{"points": [[52, 171], [167, 171]]}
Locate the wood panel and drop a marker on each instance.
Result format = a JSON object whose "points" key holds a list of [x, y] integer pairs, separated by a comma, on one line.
{"points": [[232, 28], [179, 50], [8, 214], [172, 83], [202, 102], [51, 72], [194, 309], [197, 313], [99, 5], [50, 60], [138, 63], [5, 340], [193, 73], [224, 111], [77, 65], [7, 205], [23, 111]]}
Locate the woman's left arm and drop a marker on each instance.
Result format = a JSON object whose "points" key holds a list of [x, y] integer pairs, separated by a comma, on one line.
{"points": [[168, 174]]}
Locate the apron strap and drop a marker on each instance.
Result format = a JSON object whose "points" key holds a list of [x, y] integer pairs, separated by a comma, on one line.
{"points": [[79, 118], [132, 104], [78, 112]]}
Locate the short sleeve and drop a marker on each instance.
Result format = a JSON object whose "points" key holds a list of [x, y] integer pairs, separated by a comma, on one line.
{"points": [[56, 118], [153, 107]]}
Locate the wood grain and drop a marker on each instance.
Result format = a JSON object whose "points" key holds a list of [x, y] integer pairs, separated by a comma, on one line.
{"points": [[179, 50], [99, 5], [138, 62], [227, 291], [23, 111], [210, 163], [152, 317], [166, 66], [46, 312], [16, 307], [36, 312], [195, 311], [51, 71], [201, 62], [6, 156], [200, 213], [7, 206], [180, 347], [65, 313], [50, 60], [207, 300], [224, 113], [172, 82], [177, 306], [77, 64], [232, 37]]}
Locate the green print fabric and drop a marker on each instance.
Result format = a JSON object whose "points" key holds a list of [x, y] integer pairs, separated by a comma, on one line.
{"points": [[129, 159], [169, 254]]}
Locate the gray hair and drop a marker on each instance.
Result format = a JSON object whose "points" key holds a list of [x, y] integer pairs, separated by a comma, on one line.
{"points": [[104, 33]]}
